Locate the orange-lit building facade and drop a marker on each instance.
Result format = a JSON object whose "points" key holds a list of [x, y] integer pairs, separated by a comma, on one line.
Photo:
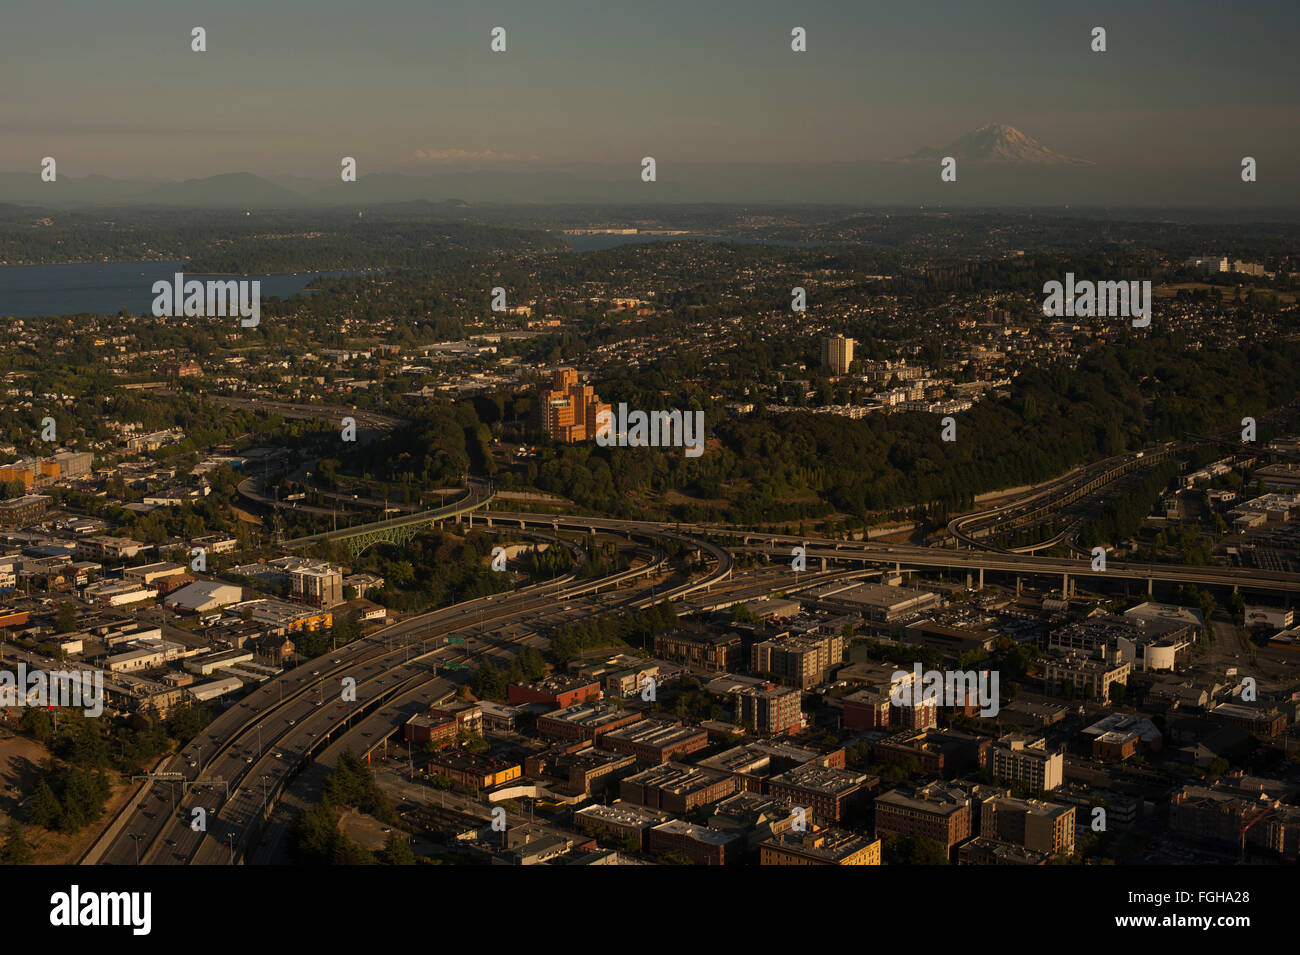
{"points": [[568, 410]]}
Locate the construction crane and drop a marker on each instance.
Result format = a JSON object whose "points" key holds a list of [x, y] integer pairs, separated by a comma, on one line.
{"points": [[1246, 826]]}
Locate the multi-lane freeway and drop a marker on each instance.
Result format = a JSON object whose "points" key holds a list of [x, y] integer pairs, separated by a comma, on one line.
{"points": [[975, 529], [245, 756], [875, 552]]}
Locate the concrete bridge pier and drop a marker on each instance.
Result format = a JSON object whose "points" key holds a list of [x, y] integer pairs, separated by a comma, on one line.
{"points": [[1065, 585], [824, 565], [1151, 586], [981, 578]]}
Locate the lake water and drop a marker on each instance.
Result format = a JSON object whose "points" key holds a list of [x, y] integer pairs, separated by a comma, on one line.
{"points": [[103, 288]]}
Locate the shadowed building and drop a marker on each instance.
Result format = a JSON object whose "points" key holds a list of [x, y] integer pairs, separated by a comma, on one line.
{"points": [[837, 354], [938, 812]]}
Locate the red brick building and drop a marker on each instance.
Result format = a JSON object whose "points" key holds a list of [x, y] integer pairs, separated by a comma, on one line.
{"points": [[937, 812], [655, 740], [559, 691], [701, 845], [866, 709]]}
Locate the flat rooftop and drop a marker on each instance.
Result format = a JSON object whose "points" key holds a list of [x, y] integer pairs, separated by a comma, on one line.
{"points": [[654, 732], [624, 814], [822, 779], [677, 778], [588, 715]]}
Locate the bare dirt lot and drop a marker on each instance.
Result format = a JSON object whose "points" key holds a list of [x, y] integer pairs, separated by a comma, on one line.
{"points": [[20, 771], [20, 761]]}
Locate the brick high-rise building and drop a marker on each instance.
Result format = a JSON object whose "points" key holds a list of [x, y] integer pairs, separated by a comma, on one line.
{"points": [[769, 709], [937, 811], [829, 795], [568, 410]]}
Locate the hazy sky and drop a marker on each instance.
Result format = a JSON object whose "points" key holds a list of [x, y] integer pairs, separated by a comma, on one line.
{"points": [[287, 88]]}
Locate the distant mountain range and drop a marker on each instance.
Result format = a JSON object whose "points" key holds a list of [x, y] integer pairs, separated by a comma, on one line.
{"points": [[1004, 167], [237, 188], [243, 189], [998, 142]]}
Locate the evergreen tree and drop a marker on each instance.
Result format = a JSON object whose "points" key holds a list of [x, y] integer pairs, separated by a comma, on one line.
{"points": [[45, 810], [397, 851], [16, 851]]}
